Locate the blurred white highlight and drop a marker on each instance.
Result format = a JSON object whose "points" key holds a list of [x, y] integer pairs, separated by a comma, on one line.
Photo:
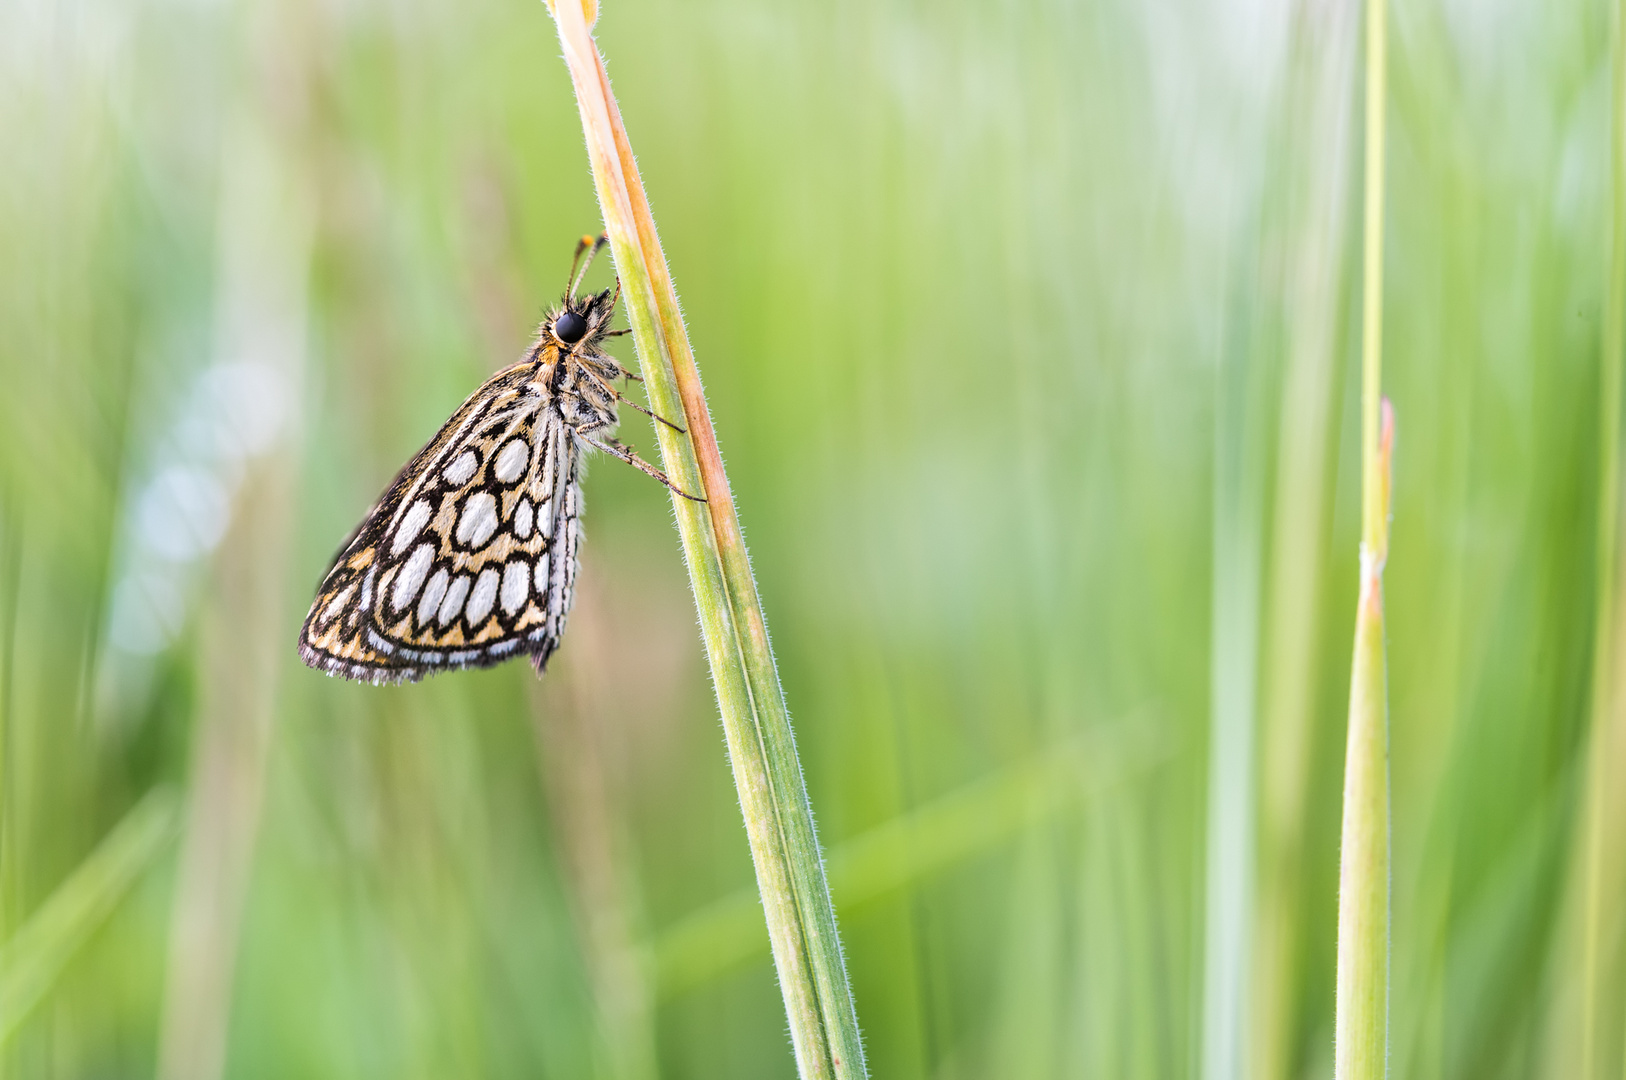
{"points": [[239, 407]]}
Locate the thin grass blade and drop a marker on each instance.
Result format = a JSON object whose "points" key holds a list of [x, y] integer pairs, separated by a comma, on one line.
{"points": [[44, 945], [773, 796], [1361, 1049]]}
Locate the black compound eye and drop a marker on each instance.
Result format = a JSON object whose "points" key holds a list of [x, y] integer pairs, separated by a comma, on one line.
{"points": [[569, 327]]}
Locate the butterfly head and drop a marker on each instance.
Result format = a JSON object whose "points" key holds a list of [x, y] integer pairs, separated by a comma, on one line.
{"points": [[578, 323]]}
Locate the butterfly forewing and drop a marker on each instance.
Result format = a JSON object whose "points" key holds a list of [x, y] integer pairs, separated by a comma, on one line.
{"points": [[470, 556]]}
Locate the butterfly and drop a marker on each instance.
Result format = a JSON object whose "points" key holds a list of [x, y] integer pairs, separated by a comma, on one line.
{"points": [[470, 556]]}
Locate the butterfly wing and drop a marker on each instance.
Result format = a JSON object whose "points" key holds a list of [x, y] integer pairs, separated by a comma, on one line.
{"points": [[469, 558]]}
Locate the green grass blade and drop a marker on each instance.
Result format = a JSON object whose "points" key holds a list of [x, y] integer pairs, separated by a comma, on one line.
{"points": [[768, 777], [43, 946], [1362, 1027], [1363, 885], [1598, 841]]}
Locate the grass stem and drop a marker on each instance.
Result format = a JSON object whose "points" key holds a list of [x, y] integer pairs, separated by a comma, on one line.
{"points": [[761, 746], [1362, 1037]]}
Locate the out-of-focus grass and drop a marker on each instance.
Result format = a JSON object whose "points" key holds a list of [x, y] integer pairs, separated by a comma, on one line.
{"points": [[34, 956], [964, 282], [1361, 1010], [897, 854]]}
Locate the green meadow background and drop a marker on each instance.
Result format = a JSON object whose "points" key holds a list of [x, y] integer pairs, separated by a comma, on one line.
{"points": [[1030, 332]]}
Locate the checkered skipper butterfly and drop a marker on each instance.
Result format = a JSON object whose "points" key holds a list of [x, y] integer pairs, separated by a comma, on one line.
{"points": [[470, 556]]}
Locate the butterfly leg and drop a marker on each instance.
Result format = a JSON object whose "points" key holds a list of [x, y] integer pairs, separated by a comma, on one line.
{"points": [[618, 449], [623, 399], [652, 415]]}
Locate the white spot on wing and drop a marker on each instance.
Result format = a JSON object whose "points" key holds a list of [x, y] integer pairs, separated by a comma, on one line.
{"points": [[338, 603], [522, 520], [412, 523], [461, 468], [412, 575], [453, 603], [479, 519], [481, 599], [544, 518], [516, 584], [511, 461], [433, 594], [542, 575]]}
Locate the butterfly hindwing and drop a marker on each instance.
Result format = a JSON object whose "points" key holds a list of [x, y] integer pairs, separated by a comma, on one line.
{"points": [[470, 556]]}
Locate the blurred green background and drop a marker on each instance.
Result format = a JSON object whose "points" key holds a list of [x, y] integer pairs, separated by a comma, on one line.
{"points": [[1029, 332]]}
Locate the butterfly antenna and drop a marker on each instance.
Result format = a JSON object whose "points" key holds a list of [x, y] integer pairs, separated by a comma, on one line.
{"points": [[591, 246], [575, 262]]}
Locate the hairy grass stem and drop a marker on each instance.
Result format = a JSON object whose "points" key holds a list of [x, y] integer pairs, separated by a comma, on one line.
{"points": [[768, 777], [1361, 1048]]}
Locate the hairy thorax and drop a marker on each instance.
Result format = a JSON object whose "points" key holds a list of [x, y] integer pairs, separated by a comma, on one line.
{"points": [[579, 387]]}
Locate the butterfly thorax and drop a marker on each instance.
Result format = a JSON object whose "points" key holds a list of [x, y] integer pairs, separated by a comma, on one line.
{"points": [[577, 385]]}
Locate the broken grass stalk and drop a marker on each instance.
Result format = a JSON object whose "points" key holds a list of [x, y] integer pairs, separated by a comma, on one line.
{"points": [[756, 724]]}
